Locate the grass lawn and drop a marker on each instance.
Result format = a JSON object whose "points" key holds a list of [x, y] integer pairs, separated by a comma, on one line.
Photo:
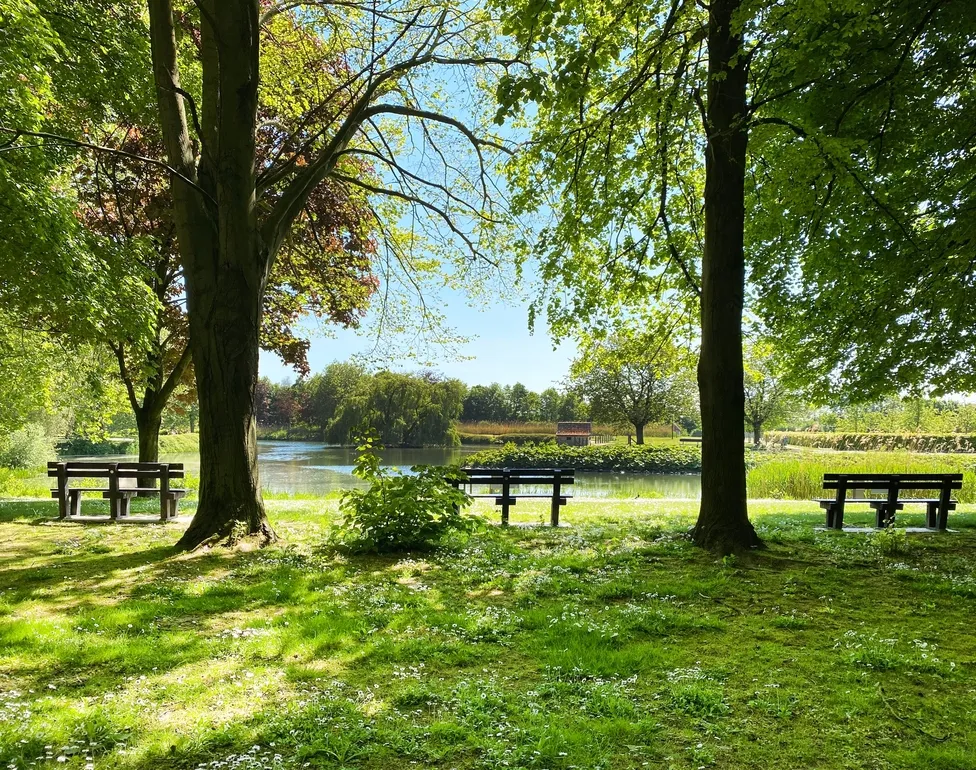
{"points": [[612, 643]]}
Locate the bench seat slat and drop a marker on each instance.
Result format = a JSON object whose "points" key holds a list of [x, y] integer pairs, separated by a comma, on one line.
{"points": [[136, 490]]}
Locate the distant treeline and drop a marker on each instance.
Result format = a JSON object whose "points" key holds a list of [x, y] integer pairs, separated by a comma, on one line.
{"points": [[418, 409]]}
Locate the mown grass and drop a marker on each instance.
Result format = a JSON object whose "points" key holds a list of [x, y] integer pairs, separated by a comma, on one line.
{"points": [[612, 643]]}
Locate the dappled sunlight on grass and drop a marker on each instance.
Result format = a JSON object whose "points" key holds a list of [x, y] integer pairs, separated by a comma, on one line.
{"points": [[610, 643]]}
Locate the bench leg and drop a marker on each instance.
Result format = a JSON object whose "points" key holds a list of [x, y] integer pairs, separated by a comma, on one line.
{"points": [[835, 517], [932, 515], [125, 504], [943, 518], [884, 517], [74, 503]]}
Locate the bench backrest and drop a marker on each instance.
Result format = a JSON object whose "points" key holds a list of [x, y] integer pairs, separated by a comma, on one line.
{"points": [[126, 470], [519, 475], [888, 480]]}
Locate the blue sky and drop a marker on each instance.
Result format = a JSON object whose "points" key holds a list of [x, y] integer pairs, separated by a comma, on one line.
{"points": [[501, 348]]}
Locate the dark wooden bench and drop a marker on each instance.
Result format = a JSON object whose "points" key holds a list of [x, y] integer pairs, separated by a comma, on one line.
{"points": [[504, 479], [123, 482], [890, 485]]}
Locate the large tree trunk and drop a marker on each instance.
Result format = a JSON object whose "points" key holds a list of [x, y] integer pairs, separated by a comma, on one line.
{"points": [[148, 424], [225, 317], [640, 432], [723, 523], [226, 262]]}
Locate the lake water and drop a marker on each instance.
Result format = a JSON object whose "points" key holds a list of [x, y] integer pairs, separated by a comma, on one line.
{"points": [[302, 467]]}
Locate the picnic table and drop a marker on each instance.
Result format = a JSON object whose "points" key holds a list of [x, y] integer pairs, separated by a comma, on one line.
{"points": [[123, 481], [883, 492]]}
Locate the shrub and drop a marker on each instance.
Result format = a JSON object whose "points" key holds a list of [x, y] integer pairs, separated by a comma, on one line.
{"points": [[514, 438], [882, 442], [606, 457], [400, 512], [83, 447], [28, 447]]}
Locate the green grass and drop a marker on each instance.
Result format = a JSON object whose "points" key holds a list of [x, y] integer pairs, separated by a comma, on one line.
{"points": [[179, 443], [612, 643], [798, 474]]}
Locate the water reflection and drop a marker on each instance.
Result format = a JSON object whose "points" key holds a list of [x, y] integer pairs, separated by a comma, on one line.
{"points": [[306, 468]]}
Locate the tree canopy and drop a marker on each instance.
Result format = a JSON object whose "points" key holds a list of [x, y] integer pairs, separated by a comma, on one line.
{"points": [[635, 376]]}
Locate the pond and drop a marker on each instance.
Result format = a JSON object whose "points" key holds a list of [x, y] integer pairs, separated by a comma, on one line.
{"points": [[307, 468]]}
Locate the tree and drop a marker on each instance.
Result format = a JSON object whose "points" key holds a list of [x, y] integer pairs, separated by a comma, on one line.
{"points": [[655, 121], [402, 409], [324, 269], [549, 401], [633, 377], [486, 403], [233, 213], [327, 392], [867, 265], [767, 397], [523, 404]]}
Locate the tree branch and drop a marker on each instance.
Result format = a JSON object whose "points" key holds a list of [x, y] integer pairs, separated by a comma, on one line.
{"points": [[17, 132]]}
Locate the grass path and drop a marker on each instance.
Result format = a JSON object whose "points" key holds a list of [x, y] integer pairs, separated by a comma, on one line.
{"points": [[612, 643]]}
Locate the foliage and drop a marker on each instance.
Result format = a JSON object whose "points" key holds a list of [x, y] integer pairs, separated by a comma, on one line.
{"points": [[878, 442], [55, 69], [504, 438], [516, 403], [401, 512], [27, 447], [635, 375], [24, 483], [767, 397], [653, 458], [897, 415], [866, 264]]}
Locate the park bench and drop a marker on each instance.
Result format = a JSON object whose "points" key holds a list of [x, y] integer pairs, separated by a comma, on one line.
{"points": [[123, 481], [888, 487], [504, 479]]}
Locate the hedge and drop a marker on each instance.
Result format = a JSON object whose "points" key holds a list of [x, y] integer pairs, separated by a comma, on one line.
{"points": [[608, 457], [514, 438], [879, 442]]}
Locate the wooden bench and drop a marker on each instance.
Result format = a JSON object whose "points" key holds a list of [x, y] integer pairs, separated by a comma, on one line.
{"points": [[123, 482], [891, 485], [506, 478]]}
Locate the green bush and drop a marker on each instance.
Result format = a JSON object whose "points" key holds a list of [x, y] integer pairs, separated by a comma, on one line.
{"points": [[83, 447], [655, 458], [399, 512], [878, 442], [506, 438], [27, 447]]}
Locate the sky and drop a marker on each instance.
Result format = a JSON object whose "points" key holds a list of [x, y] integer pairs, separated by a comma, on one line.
{"points": [[501, 349]]}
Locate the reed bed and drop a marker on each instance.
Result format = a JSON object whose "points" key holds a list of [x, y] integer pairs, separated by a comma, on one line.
{"points": [[799, 476]]}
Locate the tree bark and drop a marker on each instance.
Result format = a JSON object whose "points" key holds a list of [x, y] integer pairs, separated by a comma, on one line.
{"points": [[224, 321], [756, 433], [640, 432], [148, 424], [723, 522], [226, 262]]}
